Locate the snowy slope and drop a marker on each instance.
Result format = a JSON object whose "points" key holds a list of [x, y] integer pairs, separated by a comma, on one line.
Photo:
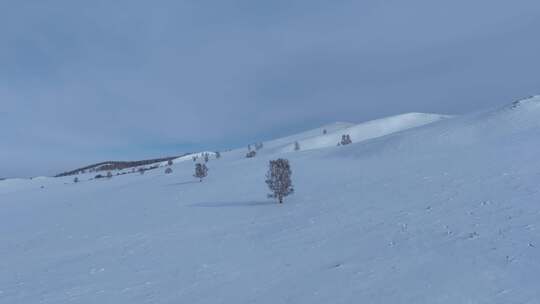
{"points": [[444, 213], [368, 130], [330, 128], [316, 139]]}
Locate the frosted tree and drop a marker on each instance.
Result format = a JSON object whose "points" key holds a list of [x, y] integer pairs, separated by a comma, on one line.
{"points": [[296, 146], [278, 179], [141, 171], [206, 157], [259, 146], [76, 180], [109, 174], [168, 170], [345, 139], [251, 154], [324, 131], [169, 162], [218, 155], [201, 171]]}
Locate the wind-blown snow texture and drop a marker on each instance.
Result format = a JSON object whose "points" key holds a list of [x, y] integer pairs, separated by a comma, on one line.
{"points": [[443, 213]]}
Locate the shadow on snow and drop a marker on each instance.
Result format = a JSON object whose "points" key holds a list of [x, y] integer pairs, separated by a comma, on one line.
{"points": [[184, 183], [232, 204]]}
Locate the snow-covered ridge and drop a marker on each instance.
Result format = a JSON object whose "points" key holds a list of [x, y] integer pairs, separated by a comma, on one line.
{"points": [[534, 99], [367, 130]]}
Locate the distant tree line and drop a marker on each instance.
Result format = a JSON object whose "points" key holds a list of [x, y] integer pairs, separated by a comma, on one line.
{"points": [[117, 165]]}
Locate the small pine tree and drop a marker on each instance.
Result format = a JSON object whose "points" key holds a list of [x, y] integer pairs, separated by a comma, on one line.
{"points": [[109, 174], [141, 171], [249, 147], [324, 131], [259, 146], [206, 157], [201, 171], [218, 155], [278, 179], [76, 180], [296, 146], [345, 139], [168, 170], [169, 162], [251, 154]]}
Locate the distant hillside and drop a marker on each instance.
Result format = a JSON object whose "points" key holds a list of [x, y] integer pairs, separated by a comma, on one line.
{"points": [[117, 165]]}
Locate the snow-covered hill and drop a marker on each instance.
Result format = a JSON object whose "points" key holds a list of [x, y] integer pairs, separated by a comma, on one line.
{"points": [[365, 131], [442, 213]]}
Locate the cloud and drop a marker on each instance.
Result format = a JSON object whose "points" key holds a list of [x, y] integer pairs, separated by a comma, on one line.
{"points": [[83, 81]]}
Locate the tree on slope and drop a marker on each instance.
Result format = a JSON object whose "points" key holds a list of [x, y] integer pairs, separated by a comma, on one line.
{"points": [[345, 139], [201, 171], [296, 146], [278, 179], [168, 170]]}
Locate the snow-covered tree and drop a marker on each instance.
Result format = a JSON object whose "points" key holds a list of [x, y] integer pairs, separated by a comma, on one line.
{"points": [[206, 157], [76, 180], [109, 174], [296, 146], [324, 131], [259, 146], [278, 179], [218, 155], [141, 171], [345, 139], [169, 162], [251, 154], [201, 171], [168, 170]]}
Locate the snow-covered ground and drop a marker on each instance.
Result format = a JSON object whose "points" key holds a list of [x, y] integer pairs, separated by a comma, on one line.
{"points": [[447, 212]]}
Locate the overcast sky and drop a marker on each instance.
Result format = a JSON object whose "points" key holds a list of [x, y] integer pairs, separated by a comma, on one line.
{"points": [[85, 81]]}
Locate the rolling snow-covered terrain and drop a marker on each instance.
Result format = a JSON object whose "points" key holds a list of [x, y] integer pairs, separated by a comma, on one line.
{"points": [[421, 208]]}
